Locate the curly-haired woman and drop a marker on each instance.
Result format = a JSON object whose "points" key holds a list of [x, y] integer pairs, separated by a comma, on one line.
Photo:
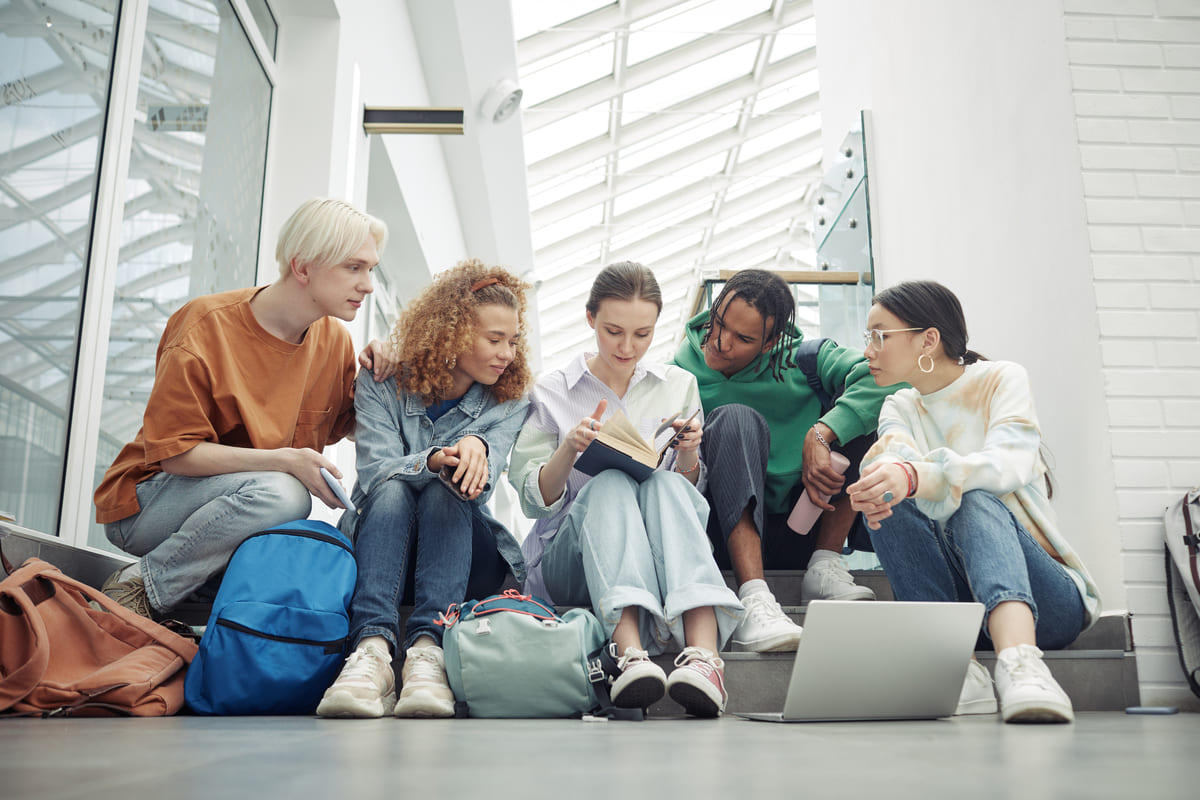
{"points": [[431, 444]]}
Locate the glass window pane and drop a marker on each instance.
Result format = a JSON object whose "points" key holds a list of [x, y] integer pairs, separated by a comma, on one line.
{"points": [[190, 224], [54, 73], [567, 70], [265, 21], [532, 16]]}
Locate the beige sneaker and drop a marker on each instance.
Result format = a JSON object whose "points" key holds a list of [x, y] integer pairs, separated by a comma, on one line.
{"points": [[366, 686], [424, 692], [130, 593]]}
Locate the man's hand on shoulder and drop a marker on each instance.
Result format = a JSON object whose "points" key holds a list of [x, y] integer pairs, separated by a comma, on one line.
{"points": [[379, 357]]}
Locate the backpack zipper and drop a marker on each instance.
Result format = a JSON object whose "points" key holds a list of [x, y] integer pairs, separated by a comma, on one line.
{"points": [[331, 647]]}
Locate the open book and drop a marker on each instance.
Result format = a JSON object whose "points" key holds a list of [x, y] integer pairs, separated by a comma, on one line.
{"points": [[618, 445]]}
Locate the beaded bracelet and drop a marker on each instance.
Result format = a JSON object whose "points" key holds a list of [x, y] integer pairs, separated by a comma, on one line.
{"points": [[910, 473], [687, 471]]}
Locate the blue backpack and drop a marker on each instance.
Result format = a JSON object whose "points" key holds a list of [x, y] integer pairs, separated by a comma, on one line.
{"points": [[279, 626]]}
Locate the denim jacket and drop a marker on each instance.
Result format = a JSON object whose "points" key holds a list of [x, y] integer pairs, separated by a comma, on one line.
{"points": [[394, 438]]}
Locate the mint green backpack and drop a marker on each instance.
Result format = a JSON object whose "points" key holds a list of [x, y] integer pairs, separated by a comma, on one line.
{"points": [[512, 655]]}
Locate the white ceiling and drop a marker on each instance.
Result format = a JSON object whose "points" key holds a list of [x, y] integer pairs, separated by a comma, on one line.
{"points": [[684, 134]]}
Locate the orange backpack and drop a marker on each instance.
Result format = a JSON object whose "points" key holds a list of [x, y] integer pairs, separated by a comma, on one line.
{"points": [[61, 656]]}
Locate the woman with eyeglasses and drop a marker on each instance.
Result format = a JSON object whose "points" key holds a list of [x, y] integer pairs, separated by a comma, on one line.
{"points": [[957, 496]]}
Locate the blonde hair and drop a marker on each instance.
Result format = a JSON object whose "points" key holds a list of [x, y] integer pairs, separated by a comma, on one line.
{"points": [[442, 323], [324, 231]]}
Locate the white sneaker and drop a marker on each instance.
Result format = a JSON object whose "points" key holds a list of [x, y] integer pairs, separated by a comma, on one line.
{"points": [[765, 628], [425, 690], [641, 682], [977, 696], [366, 686], [829, 579], [1028, 692]]}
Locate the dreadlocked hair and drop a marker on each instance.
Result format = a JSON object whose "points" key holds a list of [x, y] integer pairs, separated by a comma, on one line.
{"points": [[441, 324], [769, 295]]}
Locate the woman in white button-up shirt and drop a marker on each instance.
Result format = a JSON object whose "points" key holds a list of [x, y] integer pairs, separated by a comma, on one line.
{"points": [[636, 552]]}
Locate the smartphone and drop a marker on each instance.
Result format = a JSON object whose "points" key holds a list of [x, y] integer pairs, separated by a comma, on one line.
{"points": [[446, 476], [338, 490]]}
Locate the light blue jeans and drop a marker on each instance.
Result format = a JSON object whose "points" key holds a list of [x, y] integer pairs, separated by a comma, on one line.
{"points": [[981, 553], [625, 543], [189, 527]]}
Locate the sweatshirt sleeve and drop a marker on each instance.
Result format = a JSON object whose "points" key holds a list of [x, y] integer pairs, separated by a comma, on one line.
{"points": [[856, 411], [1002, 406]]}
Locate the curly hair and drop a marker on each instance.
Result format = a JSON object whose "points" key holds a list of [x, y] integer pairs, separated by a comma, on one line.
{"points": [[440, 325]]}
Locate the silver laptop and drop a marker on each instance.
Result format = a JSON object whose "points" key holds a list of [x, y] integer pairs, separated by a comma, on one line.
{"points": [[879, 660]]}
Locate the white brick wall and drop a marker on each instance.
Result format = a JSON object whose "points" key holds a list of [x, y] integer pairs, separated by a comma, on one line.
{"points": [[1135, 67]]}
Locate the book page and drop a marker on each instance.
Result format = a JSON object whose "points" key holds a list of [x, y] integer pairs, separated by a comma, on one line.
{"points": [[618, 432]]}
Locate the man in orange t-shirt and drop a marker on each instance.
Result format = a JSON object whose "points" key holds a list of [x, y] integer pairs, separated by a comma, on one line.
{"points": [[250, 386]]}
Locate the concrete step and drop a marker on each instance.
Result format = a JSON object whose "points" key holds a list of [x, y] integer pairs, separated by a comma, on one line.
{"points": [[1095, 680], [1098, 670]]}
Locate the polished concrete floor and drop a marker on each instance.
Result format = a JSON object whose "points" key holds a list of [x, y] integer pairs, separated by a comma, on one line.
{"points": [[1104, 754]]}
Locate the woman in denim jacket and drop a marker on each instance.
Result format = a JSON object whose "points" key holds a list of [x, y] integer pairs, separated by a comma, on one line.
{"points": [[431, 444]]}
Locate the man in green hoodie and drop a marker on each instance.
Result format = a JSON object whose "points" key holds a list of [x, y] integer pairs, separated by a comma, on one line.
{"points": [[767, 439]]}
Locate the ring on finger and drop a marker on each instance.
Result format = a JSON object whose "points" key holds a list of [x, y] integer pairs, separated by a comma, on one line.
{"points": [[888, 497], [592, 424]]}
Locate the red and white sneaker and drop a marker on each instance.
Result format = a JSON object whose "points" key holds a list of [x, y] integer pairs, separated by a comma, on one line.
{"points": [[698, 682]]}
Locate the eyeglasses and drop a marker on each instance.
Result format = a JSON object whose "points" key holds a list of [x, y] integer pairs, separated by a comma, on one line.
{"points": [[877, 337]]}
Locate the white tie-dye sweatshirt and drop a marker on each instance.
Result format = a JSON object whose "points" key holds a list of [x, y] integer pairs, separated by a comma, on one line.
{"points": [[980, 432]]}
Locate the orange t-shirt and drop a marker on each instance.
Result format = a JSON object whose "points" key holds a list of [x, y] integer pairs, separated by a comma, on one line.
{"points": [[220, 377]]}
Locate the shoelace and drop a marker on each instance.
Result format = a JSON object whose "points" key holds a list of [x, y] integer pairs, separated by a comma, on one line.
{"points": [[696, 659], [838, 568], [1029, 669], [760, 607], [425, 665], [632, 656], [132, 595], [362, 665]]}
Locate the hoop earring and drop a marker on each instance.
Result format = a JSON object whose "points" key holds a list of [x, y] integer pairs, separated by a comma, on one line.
{"points": [[922, 368]]}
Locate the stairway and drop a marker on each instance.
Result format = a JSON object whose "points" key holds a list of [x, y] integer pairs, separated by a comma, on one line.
{"points": [[1098, 671]]}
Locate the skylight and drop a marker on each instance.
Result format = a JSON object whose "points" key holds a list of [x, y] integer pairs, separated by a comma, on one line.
{"points": [[684, 134]]}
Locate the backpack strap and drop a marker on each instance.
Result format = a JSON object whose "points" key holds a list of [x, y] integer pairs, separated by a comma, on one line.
{"points": [[1192, 540], [600, 665], [805, 359], [1185, 623], [5, 564], [17, 606]]}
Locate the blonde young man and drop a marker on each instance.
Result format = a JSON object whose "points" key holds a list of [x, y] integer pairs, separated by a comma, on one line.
{"points": [[250, 386]]}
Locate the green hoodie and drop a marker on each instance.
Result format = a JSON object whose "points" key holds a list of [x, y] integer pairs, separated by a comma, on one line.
{"points": [[789, 406]]}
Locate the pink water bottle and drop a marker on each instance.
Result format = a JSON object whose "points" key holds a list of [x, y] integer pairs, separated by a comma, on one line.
{"points": [[805, 512]]}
